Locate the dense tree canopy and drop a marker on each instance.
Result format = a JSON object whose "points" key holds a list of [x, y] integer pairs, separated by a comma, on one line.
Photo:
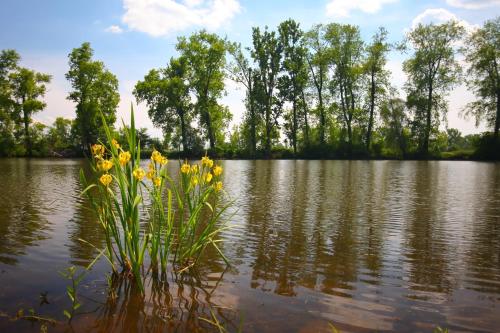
{"points": [[482, 50], [95, 93], [319, 93], [432, 71]]}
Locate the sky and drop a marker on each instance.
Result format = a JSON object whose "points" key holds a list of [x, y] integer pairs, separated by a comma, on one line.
{"points": [[133, 36]]}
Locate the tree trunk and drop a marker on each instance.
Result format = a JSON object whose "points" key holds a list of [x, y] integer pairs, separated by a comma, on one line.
{"points": [[294, 129], [211, 137], [268, 129], [183, 132], [497, 119], [27, 139], [425, 149], [306, 122], [322, 118], [318, 83], [253, 137], [372, 109]]}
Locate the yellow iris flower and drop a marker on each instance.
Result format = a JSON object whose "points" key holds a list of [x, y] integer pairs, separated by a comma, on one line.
{"points": [[97, 149], [106, 179], [156, 156], [104, 165], [206, 161], [124, 157], [139, 173], [208, 177], [185, 168], [218, 186], [217, 170]]}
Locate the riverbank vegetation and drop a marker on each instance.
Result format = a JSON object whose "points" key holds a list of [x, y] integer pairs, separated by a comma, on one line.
{"points": [[320, 93]]}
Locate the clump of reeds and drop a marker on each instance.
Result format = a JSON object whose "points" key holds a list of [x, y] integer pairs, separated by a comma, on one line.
{"points": [[184, 212]]}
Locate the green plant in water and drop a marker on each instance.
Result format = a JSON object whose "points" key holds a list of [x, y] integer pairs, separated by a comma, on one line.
{"points": [[184, 212], [70, 273]]}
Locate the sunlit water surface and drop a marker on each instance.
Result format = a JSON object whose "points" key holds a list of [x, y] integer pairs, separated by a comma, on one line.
{"points": [[363, 245]]}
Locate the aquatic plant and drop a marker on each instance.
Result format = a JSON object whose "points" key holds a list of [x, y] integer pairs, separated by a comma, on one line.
{"points": [[183, 212]]}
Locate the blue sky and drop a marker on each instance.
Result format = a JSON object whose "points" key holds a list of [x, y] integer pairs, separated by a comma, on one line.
{"points": [[133, 36]]}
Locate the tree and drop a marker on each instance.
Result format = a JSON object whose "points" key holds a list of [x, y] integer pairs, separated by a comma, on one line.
{"points": [[346, 51], [267, 52], [27, 87], [293, 82], [318, 61], [395, 120], [482, 52], [166, 93], [205, 54], [59, 135], [432, 71], [8, 63], [95, 92], [378, 76], [241, 72]]}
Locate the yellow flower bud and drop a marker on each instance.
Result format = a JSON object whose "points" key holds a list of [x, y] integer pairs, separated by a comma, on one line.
{"points": [[115, 143], [195, 168], [163, 160], [194, 181], [150, 174], [106, 179]]}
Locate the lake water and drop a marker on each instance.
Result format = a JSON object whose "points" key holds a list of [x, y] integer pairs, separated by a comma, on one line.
{"points": [[362, 245]]}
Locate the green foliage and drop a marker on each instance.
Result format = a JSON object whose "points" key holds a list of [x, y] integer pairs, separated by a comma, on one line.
{"points": [[346, 55], [378, 76], [323, 93], [291, 83], [267, 54], [205, 54], [95, 92], [432, 71], [166, 93], [21, 90], [482, 52]]}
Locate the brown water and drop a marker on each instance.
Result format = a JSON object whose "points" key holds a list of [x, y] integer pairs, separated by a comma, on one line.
{"points": [[363, 245]]}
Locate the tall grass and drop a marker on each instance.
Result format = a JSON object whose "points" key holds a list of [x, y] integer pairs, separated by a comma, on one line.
{"points": [[184, 214]]}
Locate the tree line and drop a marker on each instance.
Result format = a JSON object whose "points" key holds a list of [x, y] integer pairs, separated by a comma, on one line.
{"points": [[320, 93]]}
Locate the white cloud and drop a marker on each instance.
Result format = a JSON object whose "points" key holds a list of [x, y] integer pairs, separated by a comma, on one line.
{"points": [[114, 29], [439, 15], [342, 8], [161, 17], [473, 4]]}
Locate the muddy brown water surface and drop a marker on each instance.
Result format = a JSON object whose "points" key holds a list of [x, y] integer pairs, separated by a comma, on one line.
{"points": [[363, 245]]}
